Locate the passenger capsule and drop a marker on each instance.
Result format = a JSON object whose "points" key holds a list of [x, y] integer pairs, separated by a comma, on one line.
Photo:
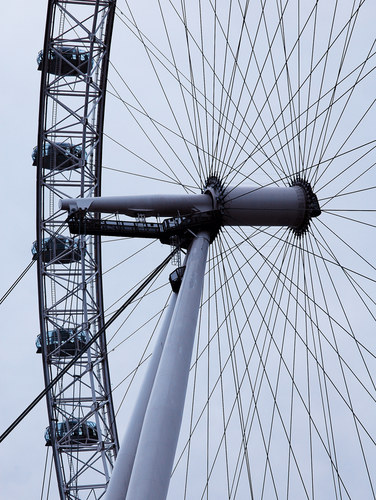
{"points": [[62, 342], [72, 432], [57, 250], [65, 61], [58, 156]]}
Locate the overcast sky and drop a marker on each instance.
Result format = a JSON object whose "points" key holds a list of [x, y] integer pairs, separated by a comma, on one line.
{"points": [[22, 454]]}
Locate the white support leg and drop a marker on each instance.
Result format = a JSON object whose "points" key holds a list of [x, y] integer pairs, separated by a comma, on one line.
{"points": [[118, 485], [160, 431]]}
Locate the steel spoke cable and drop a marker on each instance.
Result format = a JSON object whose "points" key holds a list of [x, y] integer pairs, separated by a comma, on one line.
{"points": [[209, 370], [225, 94], [336, 177], [156, 122], [347, 245], [158, 314], [216, 263], [307, 125], [273, 291], [341, 192], [15, 283], [150, 57], [193, 94], [44, 475], [269, 57], [349, 402], [227, 305], [189, 188], [169, 102], [316, 175], [323, 73], [324, 393], [348, 193], [307, 319], [222, 79], [115, 266], [229, 107], [142, 359], [314, 68], [221, 367], [88, 344], [293, 379], [222, 86], [352, 334], [335, 213], [213, 53], [137, 300], [197, 133], [205, 97], [214, 388], [291, 107], [278, 168], [267, 261], [151, 141], [325, 127], [302, 399], [219, 289], [244, 306], [362, 294], [259, 79], [265, 371], [324, 336], [255, 300], [206, 83], [251, 93], [288, 250], [172, 180], [358, 288], [190, 143], [237, 169], [25, 271]]}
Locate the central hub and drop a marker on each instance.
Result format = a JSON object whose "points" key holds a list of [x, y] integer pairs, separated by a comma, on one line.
{"points": [[185, 214], [311, 202]]}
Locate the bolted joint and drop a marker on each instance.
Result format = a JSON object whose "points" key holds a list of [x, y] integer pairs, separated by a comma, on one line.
{"points": [[216, 190], [311, 203]]}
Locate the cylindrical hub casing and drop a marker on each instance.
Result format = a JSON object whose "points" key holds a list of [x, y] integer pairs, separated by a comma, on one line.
{"points": [[241, 206], [150, 205], [264, 206]]}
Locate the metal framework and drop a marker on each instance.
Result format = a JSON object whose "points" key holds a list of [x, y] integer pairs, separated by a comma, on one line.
{"points": [[146, 460], [280, 324], [73, 66]]}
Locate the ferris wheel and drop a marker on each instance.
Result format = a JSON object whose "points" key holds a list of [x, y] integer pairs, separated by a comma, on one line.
{"points": [[224, 203]]}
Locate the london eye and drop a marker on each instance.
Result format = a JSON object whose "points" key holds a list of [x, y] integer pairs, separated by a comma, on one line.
{"points": [[233, 142]]}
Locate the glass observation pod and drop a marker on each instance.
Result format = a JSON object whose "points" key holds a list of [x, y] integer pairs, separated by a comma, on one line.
{"points": [[65, 61], [72, 432], [58, 250], [176, 277], [62, 342], [58, 156]]}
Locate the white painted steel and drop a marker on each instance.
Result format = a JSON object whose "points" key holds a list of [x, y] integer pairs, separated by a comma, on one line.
{"points": [[118, 485], [242, 206], [264, 206], [157, 445], [164, 205]]}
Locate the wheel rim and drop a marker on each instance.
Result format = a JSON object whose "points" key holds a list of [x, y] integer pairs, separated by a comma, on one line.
{"points": [[81, 428]]}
